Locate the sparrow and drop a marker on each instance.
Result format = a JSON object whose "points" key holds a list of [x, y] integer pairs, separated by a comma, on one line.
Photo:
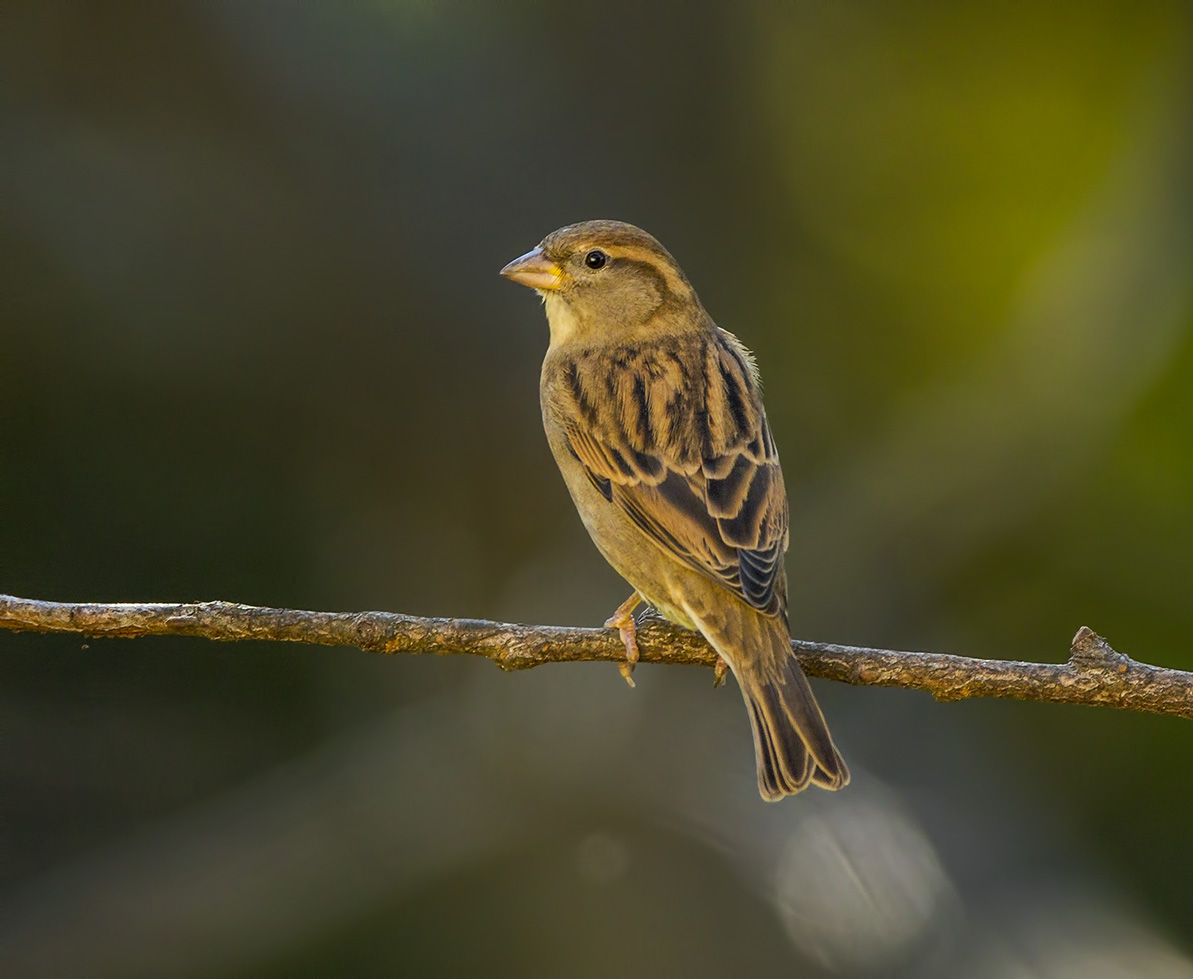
{"points": [[654, 416]]}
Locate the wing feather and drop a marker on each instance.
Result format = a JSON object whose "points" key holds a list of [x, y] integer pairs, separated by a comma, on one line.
{"points": [[681, 444]]}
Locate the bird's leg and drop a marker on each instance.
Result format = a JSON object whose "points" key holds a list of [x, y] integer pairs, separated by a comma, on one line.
{"points": [[623, 621], [718, 673]]}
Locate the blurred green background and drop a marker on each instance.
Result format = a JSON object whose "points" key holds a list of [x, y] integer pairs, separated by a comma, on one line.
{"points": [[254, 347]]}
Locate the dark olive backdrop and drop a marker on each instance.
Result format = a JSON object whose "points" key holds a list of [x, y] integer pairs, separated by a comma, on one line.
{"points": [[255, 347]]}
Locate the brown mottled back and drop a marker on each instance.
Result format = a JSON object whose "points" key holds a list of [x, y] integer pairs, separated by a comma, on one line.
{"points": [[676, 428]]}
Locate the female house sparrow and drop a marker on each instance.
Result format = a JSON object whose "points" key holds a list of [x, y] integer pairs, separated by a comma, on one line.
{"points": [[654, 416]]}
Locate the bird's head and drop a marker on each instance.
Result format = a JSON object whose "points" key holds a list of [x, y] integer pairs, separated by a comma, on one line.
{"points": [[603, 279]]}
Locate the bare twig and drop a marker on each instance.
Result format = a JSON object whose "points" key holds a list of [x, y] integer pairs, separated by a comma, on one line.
{"points": [[1094, 674]]}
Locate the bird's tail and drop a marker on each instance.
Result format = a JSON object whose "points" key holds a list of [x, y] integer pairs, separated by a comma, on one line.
{"points": [[792, 743]]}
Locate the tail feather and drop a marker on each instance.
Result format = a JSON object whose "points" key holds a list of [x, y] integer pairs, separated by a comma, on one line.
{"points": [[783, 768], [789, 721], [792, 743], [769, 778]]}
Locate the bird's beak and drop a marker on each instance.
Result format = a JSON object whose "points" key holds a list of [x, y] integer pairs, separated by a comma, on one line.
{"points": [[535, 271]]}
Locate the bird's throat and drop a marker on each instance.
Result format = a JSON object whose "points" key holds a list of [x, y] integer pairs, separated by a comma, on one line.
{"points": [[561, 318]]}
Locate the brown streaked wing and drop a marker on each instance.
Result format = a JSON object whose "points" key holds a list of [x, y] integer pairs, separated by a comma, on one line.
{"points": [[695, 469]]}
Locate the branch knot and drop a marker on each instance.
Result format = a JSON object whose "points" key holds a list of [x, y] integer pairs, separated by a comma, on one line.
{"points": [[1089, 651]]}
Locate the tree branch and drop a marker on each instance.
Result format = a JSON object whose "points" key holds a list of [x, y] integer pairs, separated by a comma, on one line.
{"points": [[1094, 674]]}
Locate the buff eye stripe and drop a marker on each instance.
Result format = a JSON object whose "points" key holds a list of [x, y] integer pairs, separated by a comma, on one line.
{"points": [[653, 264]]}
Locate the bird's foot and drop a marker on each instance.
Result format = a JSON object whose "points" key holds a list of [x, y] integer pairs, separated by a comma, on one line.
{"points": [[623, 621], [718, 673]]}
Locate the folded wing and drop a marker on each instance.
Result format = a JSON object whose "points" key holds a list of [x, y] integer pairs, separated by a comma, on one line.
{"points": [[675, 435]]}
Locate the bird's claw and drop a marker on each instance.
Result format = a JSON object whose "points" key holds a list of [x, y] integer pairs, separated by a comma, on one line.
{"points": [[718, 673], [623, 621], [628, 630]]}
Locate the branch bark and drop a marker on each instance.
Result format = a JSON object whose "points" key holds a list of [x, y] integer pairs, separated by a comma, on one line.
{"points": [[1095, 673]]}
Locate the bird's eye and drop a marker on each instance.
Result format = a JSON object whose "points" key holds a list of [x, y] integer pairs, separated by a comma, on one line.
{"points": [[596, 259]]}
